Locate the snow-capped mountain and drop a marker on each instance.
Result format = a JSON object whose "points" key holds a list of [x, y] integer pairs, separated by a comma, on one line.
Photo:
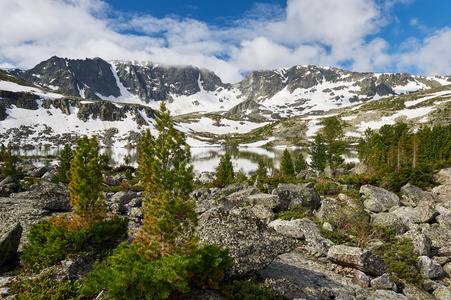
{"points": [[271, 94], [60, 100]]}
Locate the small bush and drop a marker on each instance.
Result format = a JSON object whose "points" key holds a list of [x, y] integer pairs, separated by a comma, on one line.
{"points": [[398, 254], [43, 288], [51, 241]]}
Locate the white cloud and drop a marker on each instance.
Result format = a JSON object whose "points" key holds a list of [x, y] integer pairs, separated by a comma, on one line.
{"points": [[430, 57], [321, 32]]}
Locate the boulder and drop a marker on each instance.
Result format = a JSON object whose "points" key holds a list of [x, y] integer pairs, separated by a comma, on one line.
{"points": [[442, 293], [390, 221], [290, 228], [205, 178], [363, 260], [250, 242], [52, 197], [270, 201], [383, 282], [443, 176], [293, 195], [443, 192], [9, 242], [111, 181], [233, 188], [416, 195], [241, 196], [120, 200], [414, 293], [332, 209], [420, 241], [430, 268], [378, 199], [361, 279], [37, 172], [304, 229], [263, 213], [73, 269]]}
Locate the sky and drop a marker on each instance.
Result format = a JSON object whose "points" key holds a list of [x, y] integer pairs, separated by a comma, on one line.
{"points": [[233, 37]]}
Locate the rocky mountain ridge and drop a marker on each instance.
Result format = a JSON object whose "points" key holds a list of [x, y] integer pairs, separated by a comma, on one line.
{"points": [[65, 99]]}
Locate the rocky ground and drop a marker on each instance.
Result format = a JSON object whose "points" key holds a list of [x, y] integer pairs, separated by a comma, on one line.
{"points": [[291, 256]]}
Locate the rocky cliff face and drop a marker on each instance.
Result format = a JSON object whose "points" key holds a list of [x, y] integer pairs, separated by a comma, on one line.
{"points": [[89, 78], [97, 79], [154, 82]]}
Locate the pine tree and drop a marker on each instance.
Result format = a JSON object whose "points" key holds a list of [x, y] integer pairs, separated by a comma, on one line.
{"points": [[300, 163], [164, 161], [318, 153], [65, 158], [262, 170], [85, 182], [224, 173], [164, 254], [167, 178], [286, 164]]}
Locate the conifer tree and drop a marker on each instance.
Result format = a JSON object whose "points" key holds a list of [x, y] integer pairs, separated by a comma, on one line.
{"points": [[224, 173], [85, 182], [167, 178], [318, 153], [164, 161], [65, 157], [159, 259], [300, 163], [286, 164], [262, 170]]}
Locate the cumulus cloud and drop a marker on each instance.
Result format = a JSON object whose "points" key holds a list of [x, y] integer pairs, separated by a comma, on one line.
{"points": [[430, 57], [321, 32]]}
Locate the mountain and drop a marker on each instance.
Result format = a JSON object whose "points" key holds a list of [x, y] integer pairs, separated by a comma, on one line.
{"points": [[61, 99], [268, 95]]}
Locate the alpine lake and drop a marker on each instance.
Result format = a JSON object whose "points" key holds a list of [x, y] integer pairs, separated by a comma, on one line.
{"points": [[205, 159]]}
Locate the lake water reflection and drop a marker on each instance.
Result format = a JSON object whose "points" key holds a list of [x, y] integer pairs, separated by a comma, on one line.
{"points": [[203, 159]]}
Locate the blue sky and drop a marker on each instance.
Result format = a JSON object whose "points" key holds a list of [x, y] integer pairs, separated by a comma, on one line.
{"points": [[233, 37]]}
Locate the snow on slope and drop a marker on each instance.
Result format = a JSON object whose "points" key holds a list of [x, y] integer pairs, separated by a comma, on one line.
{"points": [[14, 87]]}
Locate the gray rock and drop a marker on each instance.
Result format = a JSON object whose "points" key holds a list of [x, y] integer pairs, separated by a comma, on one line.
{"points": [[263, 213], [430, 268], [123, 197], [250, 242], [37, 172], [9, 242], [293, 195], [304, 229], [443, 192], [270, 201], [363, 260], [331, 209], [442, 293], [288, 228], [241, 196], [233, 188], [443, 176], [378, 199], [205, 178], [383, 282], [73, 269], [390, 221], [447, 268], [111, 181], [415, 194], [440, 234], [420, 241], [361, 279], [52, 197], [414, 293]]}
